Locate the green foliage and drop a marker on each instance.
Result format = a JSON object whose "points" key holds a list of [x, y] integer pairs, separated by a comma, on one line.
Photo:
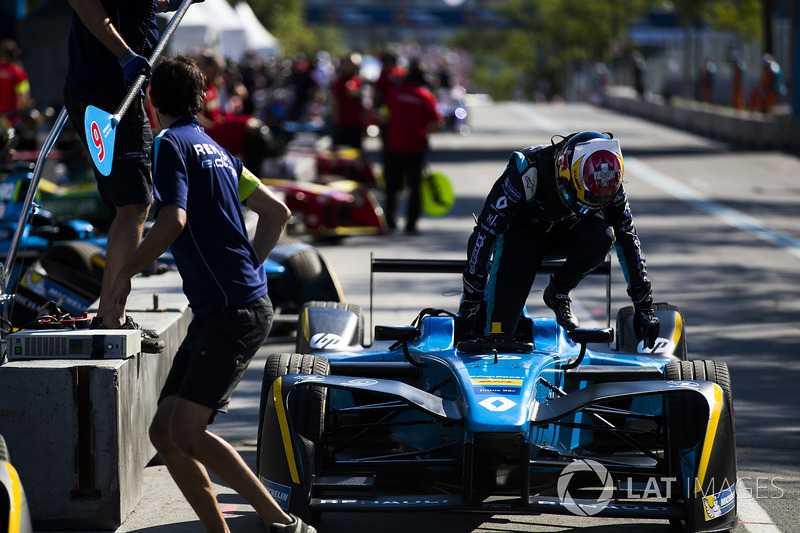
{"points": [[550, 40], [284, 19], [740, 17]]}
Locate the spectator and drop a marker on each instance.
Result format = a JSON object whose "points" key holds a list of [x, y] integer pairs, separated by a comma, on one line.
{"points": [[639, 71], [198, 193], [347, 105], [211, 65], [305, 87], [766, 94], [15, 96], [413, 114], [739, 82], [708, 80], [107, 51], [390, 78]]}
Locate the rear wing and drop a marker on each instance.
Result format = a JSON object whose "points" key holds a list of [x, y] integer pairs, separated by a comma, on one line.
{"points": [[457, 266]]}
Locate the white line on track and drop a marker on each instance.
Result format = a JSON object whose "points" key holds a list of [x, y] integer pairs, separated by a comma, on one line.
{"points": [[751, 515], [731, 217], [680, 191]]}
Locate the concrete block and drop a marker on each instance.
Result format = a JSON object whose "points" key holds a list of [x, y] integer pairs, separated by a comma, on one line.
{"points": [[77, 429]]}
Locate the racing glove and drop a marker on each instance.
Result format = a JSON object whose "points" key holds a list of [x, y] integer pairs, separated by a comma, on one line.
{"points": [[133, 65], [473, 307], [646, 325]]}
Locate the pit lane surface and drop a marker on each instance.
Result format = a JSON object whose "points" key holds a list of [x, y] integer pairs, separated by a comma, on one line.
{"points": [[720, 230]]}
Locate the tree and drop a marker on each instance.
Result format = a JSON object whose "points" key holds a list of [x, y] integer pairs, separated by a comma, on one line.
{"points": [[285, 20], [548, 41]]}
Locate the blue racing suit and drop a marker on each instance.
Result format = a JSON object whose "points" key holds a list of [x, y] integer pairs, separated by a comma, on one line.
{"points": [[523, 222]]}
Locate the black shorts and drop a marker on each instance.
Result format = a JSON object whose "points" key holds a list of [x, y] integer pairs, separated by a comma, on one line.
{"points": [[213, 357], [130, 180]]}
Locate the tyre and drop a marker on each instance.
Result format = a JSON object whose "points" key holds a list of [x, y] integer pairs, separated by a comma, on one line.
{"points": [[3, 450], [686, 421], [307, 409], [302, 339], [72, 263]]}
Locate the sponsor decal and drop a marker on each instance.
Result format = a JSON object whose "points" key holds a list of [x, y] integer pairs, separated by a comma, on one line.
{"points": [[720, 503], [500, 357], [326, 341], [501, 203], [497, 381], [661, 345], [476, 250], [497, 403], [428, 500], [507, 391], [584, 508], [281, 493], [362, 382], [529, 181], [675, 384]]}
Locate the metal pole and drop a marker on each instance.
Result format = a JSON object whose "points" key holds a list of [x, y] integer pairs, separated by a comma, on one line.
{"points": [[26, 209], [162, 42]]}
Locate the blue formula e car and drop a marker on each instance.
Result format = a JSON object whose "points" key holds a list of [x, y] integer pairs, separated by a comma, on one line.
{"points": [[588, 423]]}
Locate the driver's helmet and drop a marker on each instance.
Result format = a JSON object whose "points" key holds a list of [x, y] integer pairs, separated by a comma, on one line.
{"points": [[588, 171]]}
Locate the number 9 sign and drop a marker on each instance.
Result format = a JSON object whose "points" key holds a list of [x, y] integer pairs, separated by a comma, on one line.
{"points": [[97, 140], [100, 132]]}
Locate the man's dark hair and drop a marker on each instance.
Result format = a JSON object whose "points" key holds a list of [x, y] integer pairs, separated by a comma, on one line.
{"points": [[177, 87]]}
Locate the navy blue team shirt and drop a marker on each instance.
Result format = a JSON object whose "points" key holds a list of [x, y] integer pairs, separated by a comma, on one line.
{"points": [[95, 69], [213, 254]]}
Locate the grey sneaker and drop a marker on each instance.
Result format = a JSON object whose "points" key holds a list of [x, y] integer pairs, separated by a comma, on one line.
{"points": [[151, 342], [561, 305], [298, 526]]}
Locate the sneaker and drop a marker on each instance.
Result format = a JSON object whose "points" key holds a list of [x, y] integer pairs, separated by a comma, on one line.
{"points": [[560, 303], [151, 342], [297, 526]]}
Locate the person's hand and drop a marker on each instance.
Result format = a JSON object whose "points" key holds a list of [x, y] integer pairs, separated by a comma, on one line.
{"points": [[473, 315], [646, 326], [473, 307], [133, 65]]}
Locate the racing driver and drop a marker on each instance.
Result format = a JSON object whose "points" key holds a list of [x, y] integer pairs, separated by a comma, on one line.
{"points": [[565, 200]]}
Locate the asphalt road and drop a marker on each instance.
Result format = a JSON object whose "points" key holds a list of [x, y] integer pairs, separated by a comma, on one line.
{"points": [[720, 230]]}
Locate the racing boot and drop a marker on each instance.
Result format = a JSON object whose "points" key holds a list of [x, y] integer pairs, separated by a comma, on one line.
{"points": [[557, 299], [297, 526]]}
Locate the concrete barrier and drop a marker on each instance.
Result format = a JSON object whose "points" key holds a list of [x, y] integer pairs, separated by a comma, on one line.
{"points": [[744, 129], [77, 429]]}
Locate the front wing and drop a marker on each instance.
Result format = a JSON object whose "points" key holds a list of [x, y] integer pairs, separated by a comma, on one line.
{"points": [[705, 501]]}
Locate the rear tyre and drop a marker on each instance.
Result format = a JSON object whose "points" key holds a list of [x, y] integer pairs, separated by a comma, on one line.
{"points": [[72, 263], [303, 342]]}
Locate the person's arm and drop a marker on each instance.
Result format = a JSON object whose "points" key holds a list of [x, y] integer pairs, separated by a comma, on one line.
{"points": [[272, 218], [168, 225], [96, 19]]}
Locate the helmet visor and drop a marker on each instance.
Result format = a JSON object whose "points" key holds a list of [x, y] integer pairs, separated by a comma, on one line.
{"points": [[594, 176]]}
